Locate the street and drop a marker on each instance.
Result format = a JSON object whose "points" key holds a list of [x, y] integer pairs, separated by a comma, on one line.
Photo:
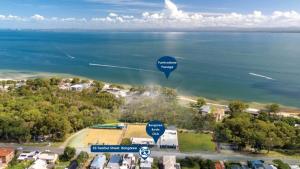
{"points": [[223, 156]]}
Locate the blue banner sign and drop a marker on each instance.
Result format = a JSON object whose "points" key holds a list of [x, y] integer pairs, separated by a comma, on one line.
{"points": [[155, 129], [115, 148]]}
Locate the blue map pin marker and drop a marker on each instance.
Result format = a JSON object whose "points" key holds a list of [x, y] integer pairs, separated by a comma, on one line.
{"points": [[155, 129], [166, 64]]}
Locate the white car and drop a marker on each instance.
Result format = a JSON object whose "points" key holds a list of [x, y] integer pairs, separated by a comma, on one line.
{"points": [[33, 155], [23, 156], [28, 156]]}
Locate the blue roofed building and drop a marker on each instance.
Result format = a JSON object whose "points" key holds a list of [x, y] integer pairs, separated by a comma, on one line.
{"points": [[98, 162], [257, 164], [73, 165], [115, 162]]}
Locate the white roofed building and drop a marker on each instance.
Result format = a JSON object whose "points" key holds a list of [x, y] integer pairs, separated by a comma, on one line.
{"points": [[253, 111], [206, 109], [146, 164], [294, 167], [169, 162], [128, 161], [50, 158], [39, 164], [142, 141], [80, 87], [169, 139]]}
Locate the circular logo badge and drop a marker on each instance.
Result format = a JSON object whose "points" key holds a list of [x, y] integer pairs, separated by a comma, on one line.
{"points": [[144, 152]]}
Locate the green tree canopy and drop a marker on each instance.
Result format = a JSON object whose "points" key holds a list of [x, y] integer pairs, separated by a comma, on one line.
{"points": [[273, 108], [68, 154], [237, 107]]}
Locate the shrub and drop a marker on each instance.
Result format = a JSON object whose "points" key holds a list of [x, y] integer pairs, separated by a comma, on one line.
{"points": [[281, 165], [68, 154]]}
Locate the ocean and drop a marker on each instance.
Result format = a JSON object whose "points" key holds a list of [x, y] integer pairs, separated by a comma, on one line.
{"points": [[254, 66]]}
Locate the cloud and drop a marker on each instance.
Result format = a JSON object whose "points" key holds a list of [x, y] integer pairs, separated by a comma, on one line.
{"points": [[38, 17], [126, 3], [2, 17], [13, 17], [171, 17], [113, 14], [68, 19]]}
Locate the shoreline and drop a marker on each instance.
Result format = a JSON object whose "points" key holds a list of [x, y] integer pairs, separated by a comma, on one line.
{"points": [[24, 75], [286, 111]]}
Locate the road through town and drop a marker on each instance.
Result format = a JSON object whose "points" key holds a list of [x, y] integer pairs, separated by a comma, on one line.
{"points": [[224, 156]]}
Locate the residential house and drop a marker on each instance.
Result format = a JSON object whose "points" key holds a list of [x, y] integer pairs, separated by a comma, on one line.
{"points": [[219, 165], [219, 114], [73, 165], [98, 162], [50, 158], [256, 164], [128, 161], [266, 166], [146, 164], [64, 86], [253, 111], [206, 109], [169, 162], [39, 164], [80, 87], [115, 162], [294, 167], [6, 155]]}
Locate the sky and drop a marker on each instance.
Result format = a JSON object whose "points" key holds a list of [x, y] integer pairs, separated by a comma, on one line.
{"points": [[145, 14]]}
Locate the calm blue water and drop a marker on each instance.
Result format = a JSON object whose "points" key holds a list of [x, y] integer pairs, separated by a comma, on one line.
{"points": [[214, 65]]}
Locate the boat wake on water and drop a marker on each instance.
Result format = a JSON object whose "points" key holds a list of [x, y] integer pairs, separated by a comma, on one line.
{"points": [[65, 53], [70, 56], [121, 67], [262, 76]]}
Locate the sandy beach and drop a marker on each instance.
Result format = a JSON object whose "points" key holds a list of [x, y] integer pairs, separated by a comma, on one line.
{"points": [[23, 75], [183, 99]]}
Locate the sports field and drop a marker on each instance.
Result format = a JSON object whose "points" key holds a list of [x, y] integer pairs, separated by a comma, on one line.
{"points": [[136, 130], [96, 136]]}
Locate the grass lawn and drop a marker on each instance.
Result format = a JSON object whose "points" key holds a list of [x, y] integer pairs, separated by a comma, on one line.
{"points": [[20, 165], [189, 142], [43, 144], [275, 154], [111, 121], [62, 165], [195, 167], [136, 130]]}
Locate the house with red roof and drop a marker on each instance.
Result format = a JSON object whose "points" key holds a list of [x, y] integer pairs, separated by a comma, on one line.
{"points": [[6, 155]]}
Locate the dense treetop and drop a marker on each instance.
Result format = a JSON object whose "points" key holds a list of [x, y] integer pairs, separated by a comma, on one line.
{"points": [[40, 109]]}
